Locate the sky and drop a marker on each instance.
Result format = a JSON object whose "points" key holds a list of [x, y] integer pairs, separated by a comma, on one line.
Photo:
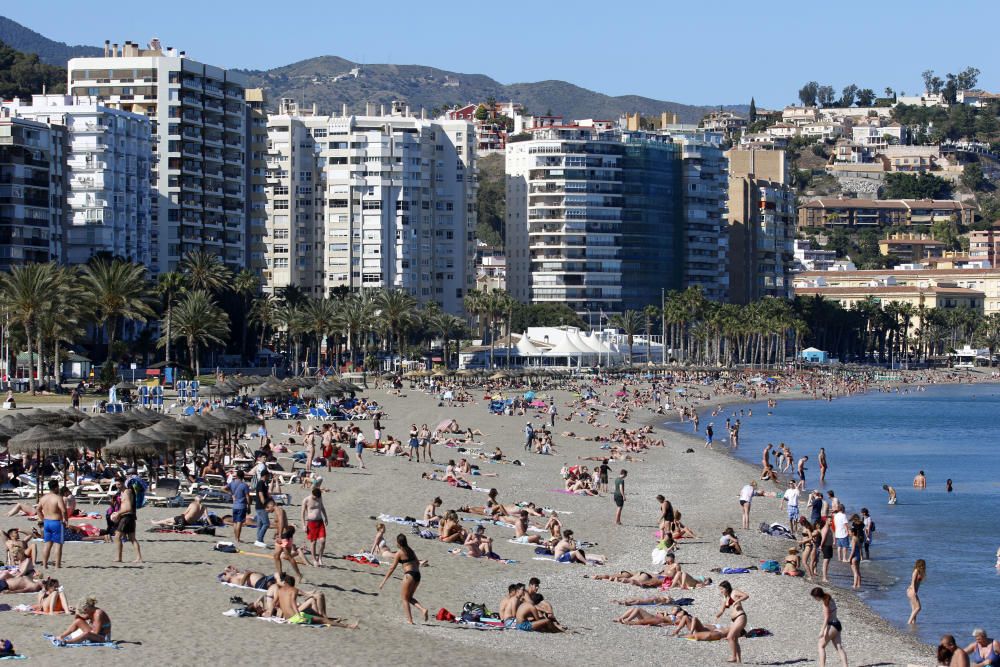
{"points": [[695, 53]]}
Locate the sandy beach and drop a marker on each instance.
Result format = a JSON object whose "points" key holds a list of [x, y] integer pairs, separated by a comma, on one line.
{"points": [[170, 610]]}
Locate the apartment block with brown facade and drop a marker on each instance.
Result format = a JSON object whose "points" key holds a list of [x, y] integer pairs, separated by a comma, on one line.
{"points": [[839, 212]]}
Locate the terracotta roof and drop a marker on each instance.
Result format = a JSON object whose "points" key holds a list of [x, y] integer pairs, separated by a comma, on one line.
{"points": [[835, 202], [869, 273], [887, 289]]}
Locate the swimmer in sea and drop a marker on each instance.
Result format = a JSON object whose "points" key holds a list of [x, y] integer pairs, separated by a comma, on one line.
{"points": [[948, 487], [892, 493], [920, 481]]}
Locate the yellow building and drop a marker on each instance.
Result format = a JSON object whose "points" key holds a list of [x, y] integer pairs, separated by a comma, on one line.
{"points": [[932, 288]]}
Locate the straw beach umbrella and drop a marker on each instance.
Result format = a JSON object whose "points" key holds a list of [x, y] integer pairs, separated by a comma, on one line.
{"points": [[36, 440]]}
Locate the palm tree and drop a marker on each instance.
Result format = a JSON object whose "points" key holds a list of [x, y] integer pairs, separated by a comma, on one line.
{"points": [[322, 318], [24, 292], [205, 271], [116, 290], [246, 284], [630, 322], [291, 317], [200, 322], [60, 320], [396, 311], [169, 286], [263, 313], [355, 318], [651, 313]]}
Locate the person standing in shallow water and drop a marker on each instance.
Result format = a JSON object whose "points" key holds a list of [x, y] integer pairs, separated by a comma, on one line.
{"points": [[919, 573], [822, 464]]}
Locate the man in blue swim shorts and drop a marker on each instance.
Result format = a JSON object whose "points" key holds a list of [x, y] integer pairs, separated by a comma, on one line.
{"points": [[52, 514]]}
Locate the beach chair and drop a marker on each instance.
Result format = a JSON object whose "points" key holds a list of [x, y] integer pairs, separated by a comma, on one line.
{"points": [[167, 490], [97, 491]]}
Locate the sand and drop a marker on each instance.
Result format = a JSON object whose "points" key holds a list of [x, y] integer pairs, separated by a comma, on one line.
{"points": [[170, 610]]}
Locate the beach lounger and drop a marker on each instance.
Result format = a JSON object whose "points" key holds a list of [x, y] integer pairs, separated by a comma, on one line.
{"points": [[167, 491]]}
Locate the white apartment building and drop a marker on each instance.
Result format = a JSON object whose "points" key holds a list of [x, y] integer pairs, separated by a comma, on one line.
{"points": [[108, 159], [379, 200], [198, 120], [31, 195]]}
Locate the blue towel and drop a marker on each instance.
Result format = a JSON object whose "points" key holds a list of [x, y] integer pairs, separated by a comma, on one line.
{"points": [[60, 644]]}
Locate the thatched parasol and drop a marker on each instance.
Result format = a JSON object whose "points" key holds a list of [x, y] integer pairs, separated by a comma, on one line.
{"points": [[134, 444]]}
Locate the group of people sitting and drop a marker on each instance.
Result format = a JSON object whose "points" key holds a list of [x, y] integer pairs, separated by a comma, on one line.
{"points": [[281, 598], [524, 608]]}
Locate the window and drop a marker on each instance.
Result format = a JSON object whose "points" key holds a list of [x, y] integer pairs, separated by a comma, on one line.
{"points": [[281, 249], [372, 205], [281, 204], [305, 176], [280, 190], [281, 233]]}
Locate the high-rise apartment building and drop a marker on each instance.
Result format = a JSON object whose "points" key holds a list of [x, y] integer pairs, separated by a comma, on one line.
{"points": [[106, 180], [380, 200], [604, 220], [761, 225], [256, 179], [198, 118], [31, 190]]}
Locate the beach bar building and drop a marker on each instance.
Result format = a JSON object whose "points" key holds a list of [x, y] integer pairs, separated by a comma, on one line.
{"points": [[814, 356]]}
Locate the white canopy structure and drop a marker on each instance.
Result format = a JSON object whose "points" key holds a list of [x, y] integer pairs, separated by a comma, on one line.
{"points": [[526, 348], [566, 349]]}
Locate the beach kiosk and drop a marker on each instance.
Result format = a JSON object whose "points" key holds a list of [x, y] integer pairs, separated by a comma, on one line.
{"points": [[811, 355]]}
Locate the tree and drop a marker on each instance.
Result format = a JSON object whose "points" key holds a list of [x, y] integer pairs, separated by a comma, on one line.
{"points": [[752, 116], [395, 309], [199, 322], [169, 286], [322, 319], [263, 313], [967, 78], [972, 177], [630, 322], [482, 113], [890, 93], [847, 95], [866, 97], [491, 200], [23, 75], [115, 290], [651, 313], [246, 284], [808, 93], [205, 271], [825, 96], [932, 84], [921, 186]]}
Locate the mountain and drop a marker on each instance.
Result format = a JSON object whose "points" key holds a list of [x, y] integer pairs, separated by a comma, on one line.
{"points": [[330, 82], [49, 51]]}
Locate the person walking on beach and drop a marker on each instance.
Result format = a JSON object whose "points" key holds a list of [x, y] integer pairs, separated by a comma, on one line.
{"points": [[53, 517], [359, 446], [857, 538], [830, 631], [733, 601], [314, 519], [125, 520], [552, 414], [261, 495], [815, 507], [916, 578], [529, 435], [411, 577], [240, 492], [822, 465], [620, 495], [709, 433]]}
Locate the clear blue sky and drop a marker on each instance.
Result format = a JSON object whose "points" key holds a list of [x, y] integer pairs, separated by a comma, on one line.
{"points": [[691, 52]]}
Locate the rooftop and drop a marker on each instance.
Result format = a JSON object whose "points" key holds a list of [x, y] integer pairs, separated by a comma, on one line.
{"points": [[837, 202]]}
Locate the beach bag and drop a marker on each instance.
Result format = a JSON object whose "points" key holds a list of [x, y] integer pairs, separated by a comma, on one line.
{"points": [[473, 612], [138, 487], [771, 566]]}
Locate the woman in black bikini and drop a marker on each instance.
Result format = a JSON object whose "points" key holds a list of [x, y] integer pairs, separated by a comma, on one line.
{"points": [[830, 632], [733, 601], [411, 577]]}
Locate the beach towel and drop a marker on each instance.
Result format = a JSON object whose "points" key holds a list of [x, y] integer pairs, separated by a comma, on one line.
{"points": [[363, 559], [58, 643], [735, 570], [13, 657], [758, 632], [680, 602], [497, 559]]}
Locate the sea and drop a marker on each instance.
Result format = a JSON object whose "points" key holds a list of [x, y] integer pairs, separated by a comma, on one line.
{"points": [[949, 432]]}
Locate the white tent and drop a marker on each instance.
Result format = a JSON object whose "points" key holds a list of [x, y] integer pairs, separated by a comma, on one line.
{"points": [[526, 348], [577, 341], [566, 348]]}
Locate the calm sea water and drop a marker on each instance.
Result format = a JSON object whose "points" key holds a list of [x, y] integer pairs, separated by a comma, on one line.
{"points": [[870, 440]]}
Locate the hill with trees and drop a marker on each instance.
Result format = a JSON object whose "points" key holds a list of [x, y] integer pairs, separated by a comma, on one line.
{"points": [[23, 74], [48, 51]]}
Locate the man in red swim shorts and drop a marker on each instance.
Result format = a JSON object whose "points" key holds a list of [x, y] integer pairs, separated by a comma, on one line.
{"points": [[314, 518]]}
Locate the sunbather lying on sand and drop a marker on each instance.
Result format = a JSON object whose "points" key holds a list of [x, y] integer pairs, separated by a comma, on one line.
{"points": [[636, 616], [652, 600], [195, 513], [246, 578], [641, 579]]}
